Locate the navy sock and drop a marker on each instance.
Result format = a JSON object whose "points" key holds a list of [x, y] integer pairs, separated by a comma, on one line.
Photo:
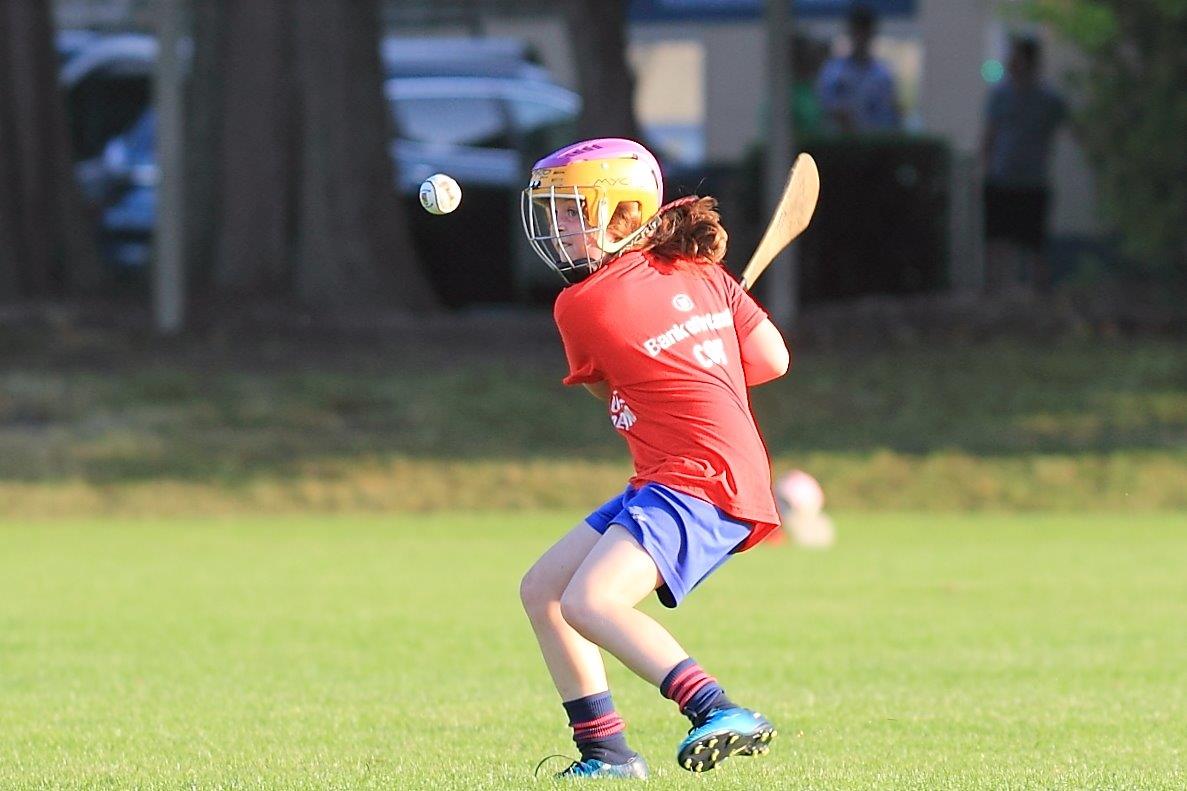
{"points": [[694, 691], [598, 731]]}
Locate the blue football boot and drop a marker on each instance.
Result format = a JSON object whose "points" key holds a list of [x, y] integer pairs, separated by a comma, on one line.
{"points": [[724, 734], [634, 769]]}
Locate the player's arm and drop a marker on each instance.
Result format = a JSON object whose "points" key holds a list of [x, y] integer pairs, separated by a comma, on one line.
{"points": [[582, 367], [599, 390], [764, 354]]}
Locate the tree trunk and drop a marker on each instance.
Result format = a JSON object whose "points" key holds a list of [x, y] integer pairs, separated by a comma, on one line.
{"points": [[44, 246], [256, 192], [597, 31], [354, 243], [204, 111], [307, 207]]}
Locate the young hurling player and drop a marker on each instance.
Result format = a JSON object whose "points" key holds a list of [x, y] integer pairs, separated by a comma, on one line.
{"points": [[653, 325]]}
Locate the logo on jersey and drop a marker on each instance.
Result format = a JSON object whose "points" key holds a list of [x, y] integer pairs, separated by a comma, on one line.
{"points": [[620, 414], [682, 302], [683, 330], [710, 353]]}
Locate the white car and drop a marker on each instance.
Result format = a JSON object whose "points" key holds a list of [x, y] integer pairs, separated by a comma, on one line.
{"points": [[483, 131]]}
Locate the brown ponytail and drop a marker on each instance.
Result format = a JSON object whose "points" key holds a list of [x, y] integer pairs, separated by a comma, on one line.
{"points": [[690, 232]]}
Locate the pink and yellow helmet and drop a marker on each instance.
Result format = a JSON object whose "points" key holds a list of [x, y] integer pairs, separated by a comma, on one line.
{"points": [[574, 192]]}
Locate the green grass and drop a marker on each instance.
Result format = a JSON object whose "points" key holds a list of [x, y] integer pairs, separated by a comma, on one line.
{"points": [[109, 426], [169, 415], [922, 652]]}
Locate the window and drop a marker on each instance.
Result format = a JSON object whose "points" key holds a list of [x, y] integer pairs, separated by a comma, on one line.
{"points": [[459, 121], [543, 126], [102, 106]]}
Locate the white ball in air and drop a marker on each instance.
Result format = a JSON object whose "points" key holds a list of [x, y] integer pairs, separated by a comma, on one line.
{"points": [[440, 194]]}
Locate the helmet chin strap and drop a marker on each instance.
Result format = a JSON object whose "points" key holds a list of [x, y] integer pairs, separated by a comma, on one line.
{"points": [[613, 250]]}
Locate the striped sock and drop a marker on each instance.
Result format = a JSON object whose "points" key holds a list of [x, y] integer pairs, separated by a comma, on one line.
{"points": [[598, 731], [694, 691]]}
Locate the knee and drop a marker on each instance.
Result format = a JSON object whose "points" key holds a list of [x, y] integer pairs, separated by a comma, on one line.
{"points": [[580, 610], [537, 594]]}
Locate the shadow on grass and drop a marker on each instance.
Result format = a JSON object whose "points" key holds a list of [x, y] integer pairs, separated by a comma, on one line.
{"points": [[104, 410]]}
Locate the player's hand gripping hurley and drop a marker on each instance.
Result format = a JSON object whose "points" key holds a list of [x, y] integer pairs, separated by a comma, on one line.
{"points": [[791, 217]]}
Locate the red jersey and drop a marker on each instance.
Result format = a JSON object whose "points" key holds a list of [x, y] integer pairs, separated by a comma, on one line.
{"points": [[667, 341]]}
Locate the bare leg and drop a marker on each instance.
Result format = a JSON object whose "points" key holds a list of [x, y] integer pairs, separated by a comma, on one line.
{"points": [[600, 600], [575, 663]]}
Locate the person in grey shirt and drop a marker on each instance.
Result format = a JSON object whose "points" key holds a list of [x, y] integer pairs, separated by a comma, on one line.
{"points": [[1021, 118], [857, 91]]}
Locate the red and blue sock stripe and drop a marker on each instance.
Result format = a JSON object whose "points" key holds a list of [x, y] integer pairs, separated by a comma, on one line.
{"points": [[598, 730], [693, 690]]}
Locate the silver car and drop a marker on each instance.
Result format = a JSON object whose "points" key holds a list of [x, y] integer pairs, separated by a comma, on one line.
{"points": [[480, 130]]}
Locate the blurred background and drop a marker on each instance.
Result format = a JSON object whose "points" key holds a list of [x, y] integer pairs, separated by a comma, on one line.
{"points": [[277, 445], [218, 291]]}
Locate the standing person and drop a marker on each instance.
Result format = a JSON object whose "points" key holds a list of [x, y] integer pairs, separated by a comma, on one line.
{"points": [[654, 326], [857, 91], [807, 57], [1021, 119]]}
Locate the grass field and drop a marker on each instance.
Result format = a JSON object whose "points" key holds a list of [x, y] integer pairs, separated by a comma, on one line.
{"points": [[112, 425], [923, 652]]}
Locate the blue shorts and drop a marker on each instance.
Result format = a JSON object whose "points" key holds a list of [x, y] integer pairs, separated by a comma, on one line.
{"points": [[687, 537]]}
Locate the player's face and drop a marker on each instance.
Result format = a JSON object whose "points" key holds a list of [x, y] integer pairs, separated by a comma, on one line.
{"points": [[573, 235], [572, 239], [558, 227]]}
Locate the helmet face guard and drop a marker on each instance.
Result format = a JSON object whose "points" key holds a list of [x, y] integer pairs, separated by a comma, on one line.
{"points": [[556, 221], [573, 194]]}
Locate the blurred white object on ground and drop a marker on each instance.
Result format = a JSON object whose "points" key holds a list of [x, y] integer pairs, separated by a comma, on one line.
{"points": [[801, 506]]}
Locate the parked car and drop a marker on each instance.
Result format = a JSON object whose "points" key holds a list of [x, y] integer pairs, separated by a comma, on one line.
{"points": [[69, 43], [485, 132], [478, 109], [108, 85], [460, 56], [481, 130], [122, 184]]}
